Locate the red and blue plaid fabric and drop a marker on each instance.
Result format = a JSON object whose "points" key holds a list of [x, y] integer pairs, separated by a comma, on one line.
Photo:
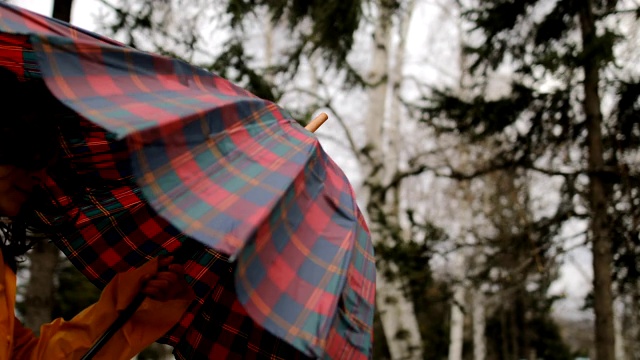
{"points": [[168, 152]]}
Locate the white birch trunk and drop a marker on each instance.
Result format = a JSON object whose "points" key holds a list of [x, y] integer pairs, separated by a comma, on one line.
{"points": [[398, 321], [633, 321], [634, 331], [468, 258], [395, 124], [618, 313], [456, 332], [396, 310], [479, 323]]}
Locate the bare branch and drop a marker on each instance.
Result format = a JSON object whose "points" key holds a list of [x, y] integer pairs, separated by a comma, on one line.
{"points": [[552, 172], [618, 12]]}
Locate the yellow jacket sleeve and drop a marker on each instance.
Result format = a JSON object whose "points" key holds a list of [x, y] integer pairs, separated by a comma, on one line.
{"points": [[71, 339]]}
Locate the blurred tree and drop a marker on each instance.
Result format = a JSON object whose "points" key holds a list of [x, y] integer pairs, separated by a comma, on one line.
{"points": [[73, 291], [44, 257], [378, 160], [518, 271], [552, 122], [326, 28]]}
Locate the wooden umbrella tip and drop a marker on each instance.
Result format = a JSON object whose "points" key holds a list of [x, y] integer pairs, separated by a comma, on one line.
{"points": [[317, 122]]}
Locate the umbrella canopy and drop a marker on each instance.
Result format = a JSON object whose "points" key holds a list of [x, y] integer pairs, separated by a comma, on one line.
{"points": [[159, 152]]}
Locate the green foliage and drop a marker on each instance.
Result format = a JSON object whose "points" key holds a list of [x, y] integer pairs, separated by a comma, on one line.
{"points": [[521, 127], [600, 49], [326, 28], [233, 64], [511, 336], [433, 308], [556, 49], [628, 115], [547, 339], [555, 25], [624, 185], [477, 118], [549, 120], [514, 36], [380, 346], [74, 292], [411, 258], [316, 25], [496, 20]]}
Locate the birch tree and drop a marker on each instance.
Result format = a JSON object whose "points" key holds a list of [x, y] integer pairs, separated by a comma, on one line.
{"points": [[379, 164]]}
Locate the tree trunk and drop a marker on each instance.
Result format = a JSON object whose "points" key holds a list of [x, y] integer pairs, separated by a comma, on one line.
{"points": [[62, 10], [479, 344], [505, 334], [513, 333], [599, 231], [456, 332], [394, 139], [618, 317], [397, 313], [398, 320], [634, 321], [40, 289]]}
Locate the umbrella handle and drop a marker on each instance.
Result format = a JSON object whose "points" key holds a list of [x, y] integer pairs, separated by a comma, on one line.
{"points": [[180, 256], [314, 124]]}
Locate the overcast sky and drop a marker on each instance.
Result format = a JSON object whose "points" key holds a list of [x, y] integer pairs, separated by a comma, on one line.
{"points": [[83, 14]]}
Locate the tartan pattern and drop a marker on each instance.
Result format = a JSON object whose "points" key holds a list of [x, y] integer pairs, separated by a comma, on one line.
{"points": [[229, 169], [228, 332]]}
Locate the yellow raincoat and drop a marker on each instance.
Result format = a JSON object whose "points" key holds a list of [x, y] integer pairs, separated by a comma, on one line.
{"points": [[62, 339]]}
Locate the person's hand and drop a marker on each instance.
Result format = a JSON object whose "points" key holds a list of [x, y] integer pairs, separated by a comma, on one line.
{"points": [[168, 283]]}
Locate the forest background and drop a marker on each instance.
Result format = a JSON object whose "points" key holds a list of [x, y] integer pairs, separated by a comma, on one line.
{"points": [[493, 146]]}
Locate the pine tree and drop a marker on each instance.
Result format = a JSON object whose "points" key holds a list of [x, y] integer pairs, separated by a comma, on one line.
{"points": [[553, 121]]}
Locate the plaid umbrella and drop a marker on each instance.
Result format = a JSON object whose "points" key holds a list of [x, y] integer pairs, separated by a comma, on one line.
{"points": [[167, 152]]}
